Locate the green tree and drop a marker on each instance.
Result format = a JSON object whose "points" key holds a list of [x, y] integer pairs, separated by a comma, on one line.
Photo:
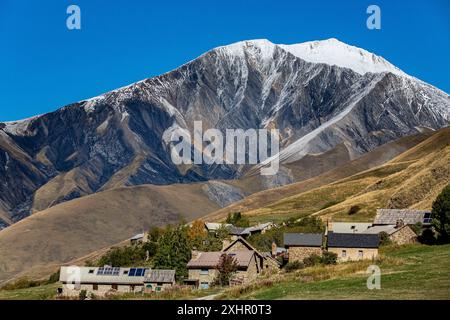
{"points": [[238, 220], [226, 268], [441, 214], [174, 251]]}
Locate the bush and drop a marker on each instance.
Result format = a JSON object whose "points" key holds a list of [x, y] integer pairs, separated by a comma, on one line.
{"points": [[238, 220], [427, 237], [82, 295], [328, 258], [384, 239], [312, 260], [292, 266], [21, 283], [354, 210], [53, 278]]}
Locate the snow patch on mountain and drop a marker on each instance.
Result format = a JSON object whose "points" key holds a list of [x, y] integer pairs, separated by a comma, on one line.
{"points": [[337, 53]]}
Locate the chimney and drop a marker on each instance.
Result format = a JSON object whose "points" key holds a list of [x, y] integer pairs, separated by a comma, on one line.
{"points": [[274, 249], [225, 243], [329, 225], [195, 254], [399, 223]]}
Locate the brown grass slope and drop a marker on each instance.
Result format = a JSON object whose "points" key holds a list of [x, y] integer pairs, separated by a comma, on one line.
{"points": [[76, 228], [369, 160], [411, 180]]}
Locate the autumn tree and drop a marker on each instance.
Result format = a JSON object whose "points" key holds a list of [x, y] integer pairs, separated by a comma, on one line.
{"points": [[197, 233], [226, 268]]}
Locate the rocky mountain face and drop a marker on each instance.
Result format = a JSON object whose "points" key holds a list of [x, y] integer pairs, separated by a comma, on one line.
{"points": [[318, 94]]}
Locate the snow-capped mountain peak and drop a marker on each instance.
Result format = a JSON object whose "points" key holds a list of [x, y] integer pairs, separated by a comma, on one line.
{"points": [[335, 52]]}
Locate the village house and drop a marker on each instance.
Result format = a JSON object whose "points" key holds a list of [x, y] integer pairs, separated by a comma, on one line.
{"points": [[353, 246], [101, 281], [301, 245], [399, 234], [203, 271]]}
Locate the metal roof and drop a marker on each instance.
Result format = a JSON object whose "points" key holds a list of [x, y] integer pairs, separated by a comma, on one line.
{"points": [[303, 239], [389, 229], [353, 240], [138, 236], [212, 259], [156, 275], [391, 216], [349, 227]]}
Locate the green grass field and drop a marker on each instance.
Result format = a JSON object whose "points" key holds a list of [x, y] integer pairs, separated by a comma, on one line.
{"points": [[44, 292], [411, 272]]}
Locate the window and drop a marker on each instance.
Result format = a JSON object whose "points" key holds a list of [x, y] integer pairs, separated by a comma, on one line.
{"points": [[91, 271], [204, 285], [360, 254], [204, 271], [95, 287], [344, 253]]}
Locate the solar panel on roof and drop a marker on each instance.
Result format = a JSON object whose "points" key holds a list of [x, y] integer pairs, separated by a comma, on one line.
{"points": [[116, 271], [139, 272], [132, 272], [100, 271]]}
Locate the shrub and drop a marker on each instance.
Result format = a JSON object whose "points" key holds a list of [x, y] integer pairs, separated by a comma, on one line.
{"points": [[295, 265], [53, 278], [21, 283], [238, 220], [312, 260], [354, 210], [328, 258], [427, 237], [384, 239], [82, 295]]}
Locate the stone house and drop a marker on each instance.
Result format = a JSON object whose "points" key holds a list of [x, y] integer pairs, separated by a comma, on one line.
{"points": [[203, 271], [353, 246], [398, 234], [301, 245], [156, 280]]}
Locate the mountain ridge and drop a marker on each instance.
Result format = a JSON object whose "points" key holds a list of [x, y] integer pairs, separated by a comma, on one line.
{"points": [[116, 139]]}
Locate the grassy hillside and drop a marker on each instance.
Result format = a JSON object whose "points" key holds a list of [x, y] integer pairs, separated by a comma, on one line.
{"points": [[411, 272], [369, 160], [411, 180]]}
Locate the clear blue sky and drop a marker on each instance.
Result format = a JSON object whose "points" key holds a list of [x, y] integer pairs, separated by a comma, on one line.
{"points": [[44, 66]]}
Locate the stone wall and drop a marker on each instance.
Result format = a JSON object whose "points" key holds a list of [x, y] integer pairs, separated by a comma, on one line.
{"points": [[300, 253], [354, 254]]}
